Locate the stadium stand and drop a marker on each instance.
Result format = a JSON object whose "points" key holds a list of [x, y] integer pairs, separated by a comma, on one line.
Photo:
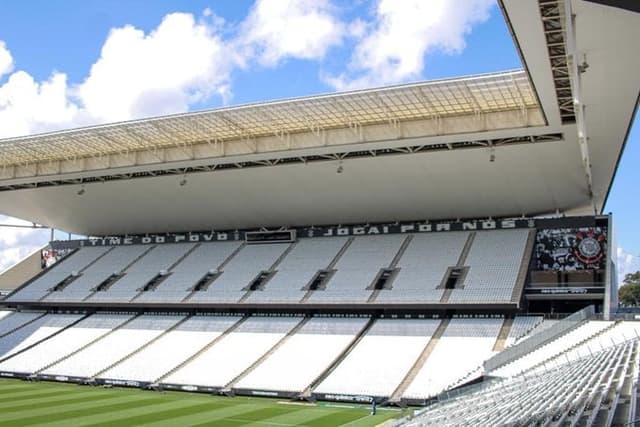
{"points": [[153, 266], [13, 320], [465, 344], [66, 342], [423, 266], [217, 365], [60, 275], [583, 332], [299, 268], [358, 268], [304, 356], [175, 347], [577, 393], [32, 332], [114, 347], [204, 259], [494, 263], [103, 271], [236, 276], [382, 358], [521, 327]]}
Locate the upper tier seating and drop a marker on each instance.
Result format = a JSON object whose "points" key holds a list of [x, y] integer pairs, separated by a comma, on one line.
{"points": [[175, 347], [298, 269], [158, 259], [423, 267], [72, 264], [415, 270], [304, 356], [64, 343], [358, 267], [382, 358], [113, 262], [236, 276], [184, 276], [463, 346], [218, 365], [114, 347], [494, 263]]}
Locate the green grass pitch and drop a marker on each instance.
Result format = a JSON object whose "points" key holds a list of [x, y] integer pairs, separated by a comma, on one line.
{"points": [[57, 404]]}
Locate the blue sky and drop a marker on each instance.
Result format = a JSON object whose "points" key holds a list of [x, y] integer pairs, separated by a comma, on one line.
{"points": [[79, 62]]}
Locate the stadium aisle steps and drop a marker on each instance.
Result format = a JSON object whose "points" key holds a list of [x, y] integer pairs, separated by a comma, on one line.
{"points": [[124, 270], [78, 350], [331, 265], [307, 392], [271, 269], [226, 261], [463, 257], [417, 366], [504, 334], [142, 347], [229, 387], [393, 265], [171, 267], [524, 266], [202, 349]]}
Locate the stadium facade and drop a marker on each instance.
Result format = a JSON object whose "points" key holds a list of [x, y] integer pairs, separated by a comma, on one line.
{"points": [[391, 244]]}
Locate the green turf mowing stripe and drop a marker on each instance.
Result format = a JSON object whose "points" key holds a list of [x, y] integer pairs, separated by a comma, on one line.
{"points": [[96, 409], [262, 415], [160, 415], [11, 388], [206, 417], [337, 418], [56, 401], [112, 418], [31, 394]]}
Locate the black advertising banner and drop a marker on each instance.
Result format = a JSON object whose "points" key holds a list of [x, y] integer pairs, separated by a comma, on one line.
{"points": [[571, 249]]}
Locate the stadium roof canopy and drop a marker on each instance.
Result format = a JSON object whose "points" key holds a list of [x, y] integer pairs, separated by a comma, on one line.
{"points": [[535, 141]]}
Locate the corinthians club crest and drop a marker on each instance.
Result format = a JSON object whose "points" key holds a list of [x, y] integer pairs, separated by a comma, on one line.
{"points": [[589, 247]]}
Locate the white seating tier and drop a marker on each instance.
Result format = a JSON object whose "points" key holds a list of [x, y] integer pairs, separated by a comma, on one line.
{"points": [[463, 346], [358, 268], [75, 262], [240, 271], [184, 276], [304, 356], [423, 266], [560, 345], [64, 343], [235, 352], [161, 257], [298, 269], [34, 332], [171, 349], [115, 346], [382, 358]]}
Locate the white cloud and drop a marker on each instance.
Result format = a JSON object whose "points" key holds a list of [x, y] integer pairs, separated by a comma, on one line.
{"points": [[17, 243], [27, 106], [179, 63], [6, 60], [394, 48], [626, 263], [279, 29]]}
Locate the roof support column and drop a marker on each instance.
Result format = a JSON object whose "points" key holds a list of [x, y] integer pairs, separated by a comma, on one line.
{"points": [[575, 71]]}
